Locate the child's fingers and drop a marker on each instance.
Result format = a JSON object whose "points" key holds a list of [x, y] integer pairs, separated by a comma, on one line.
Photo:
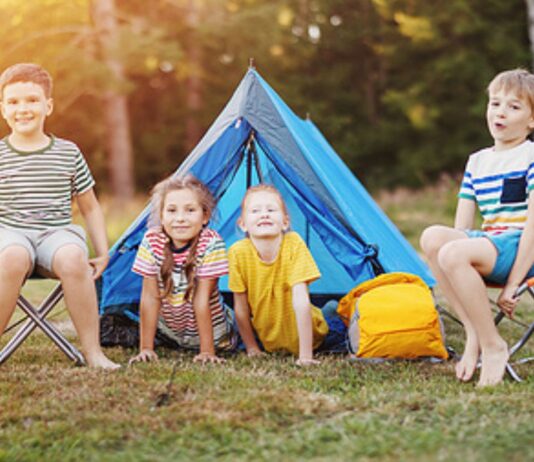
{"points": [[204, 358], [307, 362]]}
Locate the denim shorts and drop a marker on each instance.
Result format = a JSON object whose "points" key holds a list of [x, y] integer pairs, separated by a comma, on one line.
{"points": [[506, 244]]}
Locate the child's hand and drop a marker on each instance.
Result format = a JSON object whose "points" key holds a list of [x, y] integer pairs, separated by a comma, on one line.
{"points": [[144, 356], [305, 362], [507, 300], [208, 358], [255, 352], [98, 264]]}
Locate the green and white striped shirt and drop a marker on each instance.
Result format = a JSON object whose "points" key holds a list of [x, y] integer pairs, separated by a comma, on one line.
{"points": [[36, 188]]}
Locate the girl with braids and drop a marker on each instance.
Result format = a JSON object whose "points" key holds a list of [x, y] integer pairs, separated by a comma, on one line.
{"points": [[269, 275], [181, 261]]}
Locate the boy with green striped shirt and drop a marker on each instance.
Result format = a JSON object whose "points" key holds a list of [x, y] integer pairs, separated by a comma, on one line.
{"points": [[39, 176]]}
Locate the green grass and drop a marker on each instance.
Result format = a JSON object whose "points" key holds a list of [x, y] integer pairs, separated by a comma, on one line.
{"points": [[266, 409]]}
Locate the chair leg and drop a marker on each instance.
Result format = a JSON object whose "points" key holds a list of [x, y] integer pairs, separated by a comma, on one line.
{"points": [[512, 373], [37, 318]]}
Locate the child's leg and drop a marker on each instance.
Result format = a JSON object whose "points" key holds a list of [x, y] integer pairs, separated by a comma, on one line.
{"points": [[71, 266], [15, 265], [336, 339], [464, 262], [433, 240], [63, 252]]}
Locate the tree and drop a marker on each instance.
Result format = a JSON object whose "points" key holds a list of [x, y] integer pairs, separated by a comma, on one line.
{"points": [[530, 13], [115, 100]]}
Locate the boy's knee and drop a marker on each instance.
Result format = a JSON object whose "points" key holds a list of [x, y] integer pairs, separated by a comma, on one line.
{"points": [[429, 240], [15, 260], [70, 260]]}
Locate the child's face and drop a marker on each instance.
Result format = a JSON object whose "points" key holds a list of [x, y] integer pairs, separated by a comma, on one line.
{"points": [[25, 108], [264, 215], [509, 118], [182, 217]]}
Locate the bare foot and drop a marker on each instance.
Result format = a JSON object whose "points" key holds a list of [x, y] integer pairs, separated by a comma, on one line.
{"points": [[494, 362], [465, 368], [100, 361]]}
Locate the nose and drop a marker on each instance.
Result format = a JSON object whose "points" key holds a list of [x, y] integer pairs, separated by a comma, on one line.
{"points": [[179, 216]]}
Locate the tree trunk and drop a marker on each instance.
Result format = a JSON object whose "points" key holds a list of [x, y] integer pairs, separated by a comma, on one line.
{"points": [[194, 100], [530, 12], [118, 137]]}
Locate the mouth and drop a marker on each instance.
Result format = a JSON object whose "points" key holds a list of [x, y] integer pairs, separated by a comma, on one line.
{"points": [[179, 229], [24, 120]]}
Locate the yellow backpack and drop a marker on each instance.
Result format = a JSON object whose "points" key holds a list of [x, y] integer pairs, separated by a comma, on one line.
{"points": [[393, 316]]}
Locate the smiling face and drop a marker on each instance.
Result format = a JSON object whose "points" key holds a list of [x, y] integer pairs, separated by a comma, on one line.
{"points": [[509, 117], [25, 108], [264, 215], [182, 216]]}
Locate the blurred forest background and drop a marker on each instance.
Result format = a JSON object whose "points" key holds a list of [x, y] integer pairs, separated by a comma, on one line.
{"points": [[397, 86]]}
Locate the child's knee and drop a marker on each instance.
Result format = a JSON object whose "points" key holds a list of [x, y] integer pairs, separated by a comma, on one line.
{"points": [[70, 260], [15, 260], [430, 241]]}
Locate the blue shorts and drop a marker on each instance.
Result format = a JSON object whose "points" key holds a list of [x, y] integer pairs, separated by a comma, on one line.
{"points": [[506, 244]]}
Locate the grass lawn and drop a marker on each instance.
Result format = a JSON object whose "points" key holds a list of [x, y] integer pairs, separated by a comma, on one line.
{"points": [[265, 409]]}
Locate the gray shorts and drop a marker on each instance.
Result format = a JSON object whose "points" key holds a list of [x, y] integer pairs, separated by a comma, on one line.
{"points": [[43, 245]]}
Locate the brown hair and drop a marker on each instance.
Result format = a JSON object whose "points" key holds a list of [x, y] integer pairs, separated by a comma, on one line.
{"points": [[263, 187], [518, 81], [206, 201], [26, 72]]}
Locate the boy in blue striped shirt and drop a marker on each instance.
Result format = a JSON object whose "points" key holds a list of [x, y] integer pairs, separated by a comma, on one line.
{"points": [[499, 180], [39, 176]]}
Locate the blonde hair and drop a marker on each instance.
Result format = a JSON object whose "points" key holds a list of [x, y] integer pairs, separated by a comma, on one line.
{"points": [[207, 203], [26, 72], [263, 187], [518, 81]]}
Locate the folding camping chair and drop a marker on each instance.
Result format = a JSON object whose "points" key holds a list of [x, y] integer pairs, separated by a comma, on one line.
{"points": [[527, 286], [36, 317]]}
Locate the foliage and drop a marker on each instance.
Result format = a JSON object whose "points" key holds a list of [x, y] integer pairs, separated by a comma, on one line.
{"points": [[397, 86]]}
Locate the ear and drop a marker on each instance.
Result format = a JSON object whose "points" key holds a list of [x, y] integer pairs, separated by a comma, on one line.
{"points": [[49, 106], [285, 223], [241, 225]]}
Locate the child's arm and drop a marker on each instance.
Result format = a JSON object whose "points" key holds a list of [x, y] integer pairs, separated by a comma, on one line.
{"points": [[302, 307], [523, 262], [94, 219], [242, 316], [465, 214], [149, 312], [201, 305]]}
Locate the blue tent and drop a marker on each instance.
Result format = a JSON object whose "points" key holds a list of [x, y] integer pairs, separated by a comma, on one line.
{"points": [[257, 138]]}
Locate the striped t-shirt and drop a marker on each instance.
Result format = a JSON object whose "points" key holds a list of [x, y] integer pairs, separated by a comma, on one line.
{"points": [[36, 188], [177, 315], [500, 182]]}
